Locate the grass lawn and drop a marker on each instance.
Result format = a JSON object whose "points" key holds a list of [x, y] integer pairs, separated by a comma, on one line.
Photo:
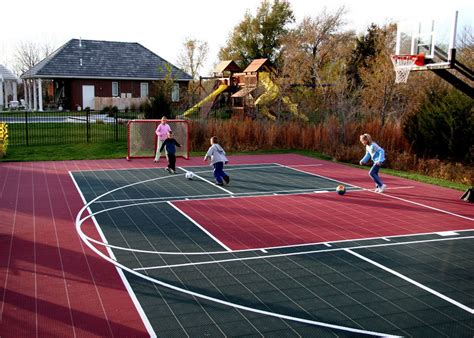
{"points": [[119, 150]]}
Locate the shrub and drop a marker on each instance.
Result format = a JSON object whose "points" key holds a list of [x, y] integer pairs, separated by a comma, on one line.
{"points": [[443, 127], [3, 139], [340, 142], [113, 111]]}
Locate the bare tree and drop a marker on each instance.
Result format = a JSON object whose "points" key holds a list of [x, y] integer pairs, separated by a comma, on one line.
{"points": [[465, 49], [314, 61], [193, 55], [191, 59], [309, 47], [30, 53]]}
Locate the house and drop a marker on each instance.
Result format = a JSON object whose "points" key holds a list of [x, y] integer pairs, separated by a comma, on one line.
{"points": [[95, 74], [8, 88]]}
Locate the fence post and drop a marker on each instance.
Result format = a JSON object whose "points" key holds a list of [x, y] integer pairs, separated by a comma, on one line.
{"points": [[87, 125], [26, 127], [116, 125]]}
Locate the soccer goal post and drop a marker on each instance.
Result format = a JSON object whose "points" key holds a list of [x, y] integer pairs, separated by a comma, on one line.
{"points": [[142, 140]]}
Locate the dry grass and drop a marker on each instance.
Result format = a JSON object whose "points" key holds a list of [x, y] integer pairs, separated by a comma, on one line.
{"points": [[338, 141]]}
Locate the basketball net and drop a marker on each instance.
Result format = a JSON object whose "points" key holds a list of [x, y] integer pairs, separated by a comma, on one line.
{"points": [[403, 64]]}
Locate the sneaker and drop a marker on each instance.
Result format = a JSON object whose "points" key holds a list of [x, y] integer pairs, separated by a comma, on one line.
{"points": [[377, 190], [220, 184], [168, 170], [226, 179], [172, 171], [382, 188]]}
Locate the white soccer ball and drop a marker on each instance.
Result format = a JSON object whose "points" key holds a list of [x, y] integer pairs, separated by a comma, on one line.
{"points": [[189, 175]]}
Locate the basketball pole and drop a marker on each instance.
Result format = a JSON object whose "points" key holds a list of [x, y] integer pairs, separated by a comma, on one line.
{"points": [[452, 39]]}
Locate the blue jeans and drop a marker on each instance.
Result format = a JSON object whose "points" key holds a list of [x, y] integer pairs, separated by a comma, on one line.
{"points": [[219, 171], [374, 173]]}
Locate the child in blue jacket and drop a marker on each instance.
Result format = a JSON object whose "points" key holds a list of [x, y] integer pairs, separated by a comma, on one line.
{"points": [[377, 154], [170, 145]]}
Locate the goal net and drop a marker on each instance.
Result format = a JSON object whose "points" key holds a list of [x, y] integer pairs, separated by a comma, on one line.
{"points": [[142, 140]]}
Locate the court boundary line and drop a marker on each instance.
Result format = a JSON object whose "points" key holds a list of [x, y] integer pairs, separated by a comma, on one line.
{"points": [[429, 207], [309, 252], [124, 279], [204, 199], [200, 227], [196, 166], [233, 195], [207, 181], [244, 194], [313, 174], [212, 299], [412, 281], [395, 197], [120, 266], [241, 250]]}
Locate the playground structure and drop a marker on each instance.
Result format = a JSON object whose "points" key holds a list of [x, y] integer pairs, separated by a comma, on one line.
{"points": [[246, 93]]}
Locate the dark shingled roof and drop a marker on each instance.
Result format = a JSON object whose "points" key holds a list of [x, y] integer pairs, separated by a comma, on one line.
{"points": [[105, 59]]}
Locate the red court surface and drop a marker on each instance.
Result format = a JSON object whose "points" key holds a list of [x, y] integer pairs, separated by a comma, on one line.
{"points": [[262, 222], [53, 285]]}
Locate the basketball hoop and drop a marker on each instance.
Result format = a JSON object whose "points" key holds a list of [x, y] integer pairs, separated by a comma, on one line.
{"points": [[403, 64]]}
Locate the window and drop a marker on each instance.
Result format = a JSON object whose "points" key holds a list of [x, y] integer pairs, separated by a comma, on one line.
{"points": [[115, 89], [175, 92], [143, 89]]}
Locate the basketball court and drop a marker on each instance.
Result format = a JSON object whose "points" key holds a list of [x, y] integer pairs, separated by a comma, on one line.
{"points": [[122, 248]]}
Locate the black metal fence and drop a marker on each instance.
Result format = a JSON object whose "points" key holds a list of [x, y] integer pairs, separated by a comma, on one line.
{"points": [[51, 128]]}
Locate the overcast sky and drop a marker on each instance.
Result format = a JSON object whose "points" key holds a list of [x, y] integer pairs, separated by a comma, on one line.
{"points": [[163, 26]]}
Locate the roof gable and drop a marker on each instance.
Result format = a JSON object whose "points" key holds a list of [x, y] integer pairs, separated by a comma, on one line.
{"points": [[258, 65], [227, 66], [105, 59], [6, 74]]}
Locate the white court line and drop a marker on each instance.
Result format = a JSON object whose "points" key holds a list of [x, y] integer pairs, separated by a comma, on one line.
{"points": [[447, 233], [212, 299], [309, 252], [428, 207], [398, 188], [199, 226], [239, 194], [228, 167], [211, 183], [125, 282], [217, 252], [424, 287], [78, 225], [226, 195], [394, 197], [313, 174], [164, 177], [165, 201]]}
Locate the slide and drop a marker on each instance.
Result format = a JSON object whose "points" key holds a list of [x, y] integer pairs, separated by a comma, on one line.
{"points": [[208, 99], [271, 94]]}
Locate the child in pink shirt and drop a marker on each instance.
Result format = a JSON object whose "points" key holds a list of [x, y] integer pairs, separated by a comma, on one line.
{"points": [[162, 133]]}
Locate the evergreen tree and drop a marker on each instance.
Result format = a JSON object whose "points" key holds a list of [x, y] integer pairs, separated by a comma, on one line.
{"points": [[365, 49], [443, 127]]}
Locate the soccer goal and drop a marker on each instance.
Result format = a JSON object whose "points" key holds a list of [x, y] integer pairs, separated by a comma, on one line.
{"points": [[142, 140]]}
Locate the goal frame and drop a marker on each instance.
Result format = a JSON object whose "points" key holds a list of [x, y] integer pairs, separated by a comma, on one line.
{"points": [[153, 124]]}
